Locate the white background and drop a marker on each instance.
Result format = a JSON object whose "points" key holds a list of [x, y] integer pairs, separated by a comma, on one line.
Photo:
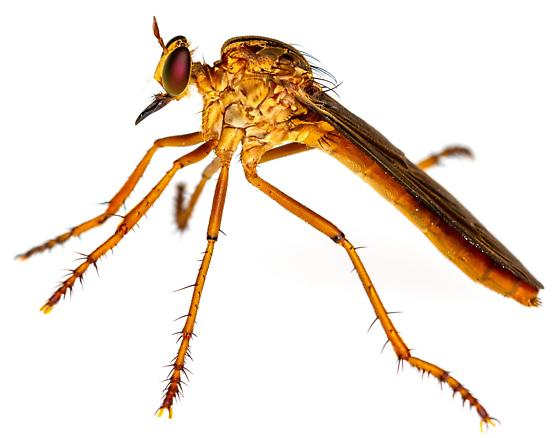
{"points": [[282, 347]]}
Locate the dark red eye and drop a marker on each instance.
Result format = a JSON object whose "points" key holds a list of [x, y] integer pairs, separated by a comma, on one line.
{"points": [[176, 71]]}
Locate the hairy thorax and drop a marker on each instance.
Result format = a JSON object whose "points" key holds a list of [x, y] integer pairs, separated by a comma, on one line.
{"points": [[256, 91]]}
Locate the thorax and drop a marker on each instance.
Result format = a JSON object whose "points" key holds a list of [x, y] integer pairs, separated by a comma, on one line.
{"points": [[265, 106]]}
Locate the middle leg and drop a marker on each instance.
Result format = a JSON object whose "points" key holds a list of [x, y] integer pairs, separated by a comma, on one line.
{"points": [[229, 139], [184, 209], [174, 385]]}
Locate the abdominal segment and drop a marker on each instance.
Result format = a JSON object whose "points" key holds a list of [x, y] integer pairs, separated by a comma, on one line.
{"points": [[466, 256]]}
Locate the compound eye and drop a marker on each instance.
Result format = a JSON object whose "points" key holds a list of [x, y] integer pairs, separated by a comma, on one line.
{"points": [[176, 71]]}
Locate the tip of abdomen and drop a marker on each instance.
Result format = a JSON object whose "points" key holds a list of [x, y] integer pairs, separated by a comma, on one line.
{"points": [[507, 284]]}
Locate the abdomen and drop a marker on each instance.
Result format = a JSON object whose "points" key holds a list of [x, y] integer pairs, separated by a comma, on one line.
{"points": [[466, 256]]}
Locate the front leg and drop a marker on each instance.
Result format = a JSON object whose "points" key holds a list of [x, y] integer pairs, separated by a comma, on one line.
{"points": [[118, 199], [127, 223]]}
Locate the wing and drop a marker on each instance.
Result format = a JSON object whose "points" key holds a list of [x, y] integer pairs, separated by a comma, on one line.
{"points": [[418, 183]]}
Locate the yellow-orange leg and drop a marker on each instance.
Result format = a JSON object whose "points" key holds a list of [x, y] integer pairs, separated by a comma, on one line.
{"points": [[284, 151], [117, 201], [449, 151], [127, 223], [326, 227], [174, 380], [432, 160], [183, 212]]}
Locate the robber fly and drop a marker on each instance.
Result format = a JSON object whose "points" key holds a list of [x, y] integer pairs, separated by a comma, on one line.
{"points": [[262, 97]]}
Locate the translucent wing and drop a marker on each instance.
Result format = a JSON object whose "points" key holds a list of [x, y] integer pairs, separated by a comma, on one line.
{"points": [[419, 184]]}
